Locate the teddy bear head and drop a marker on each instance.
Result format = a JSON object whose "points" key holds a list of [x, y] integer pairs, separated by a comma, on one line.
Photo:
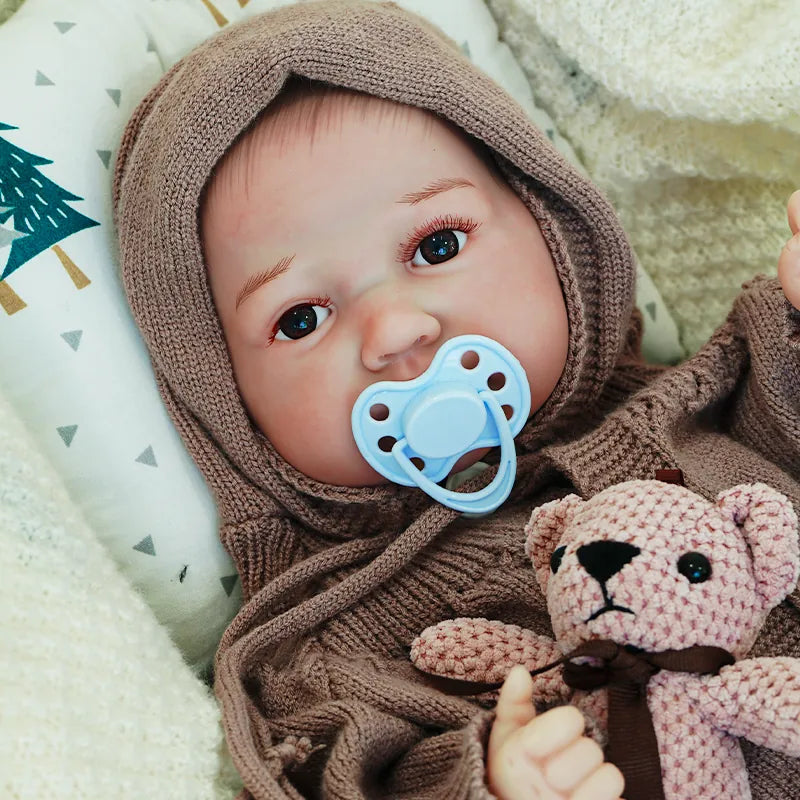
{"points": [[655, 566]]}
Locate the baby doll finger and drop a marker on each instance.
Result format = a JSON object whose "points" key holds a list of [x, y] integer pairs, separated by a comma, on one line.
{"points": [[793, 211], [552, 731], [514, 707], [576, 762], [789, 269], [605, 783]]}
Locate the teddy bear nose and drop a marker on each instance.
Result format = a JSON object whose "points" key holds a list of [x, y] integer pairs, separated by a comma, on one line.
{"points": [[604, 559]]}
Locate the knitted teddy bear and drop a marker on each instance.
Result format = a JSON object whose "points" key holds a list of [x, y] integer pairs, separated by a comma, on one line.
{"points": [[648, 585]]}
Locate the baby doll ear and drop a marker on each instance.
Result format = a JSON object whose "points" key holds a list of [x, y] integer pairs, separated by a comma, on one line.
{"points": [[544, 530], [769, 524]]}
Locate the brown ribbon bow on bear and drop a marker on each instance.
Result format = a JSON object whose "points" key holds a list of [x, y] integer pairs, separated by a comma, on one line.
{"points": [[626, 673]]}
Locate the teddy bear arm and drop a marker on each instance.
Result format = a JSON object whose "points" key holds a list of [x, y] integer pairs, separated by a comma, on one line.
{"points": [[482, 650], [757, 699]]}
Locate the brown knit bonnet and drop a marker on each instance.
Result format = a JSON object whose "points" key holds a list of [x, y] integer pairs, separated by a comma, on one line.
{"points": [[169, 149]]}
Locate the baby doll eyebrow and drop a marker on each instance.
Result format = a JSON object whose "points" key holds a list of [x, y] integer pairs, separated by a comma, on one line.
{"points": [[432, 189], [255, 282]]}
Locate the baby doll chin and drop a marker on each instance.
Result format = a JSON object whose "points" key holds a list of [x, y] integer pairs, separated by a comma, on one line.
{"points": [[468, 459]]}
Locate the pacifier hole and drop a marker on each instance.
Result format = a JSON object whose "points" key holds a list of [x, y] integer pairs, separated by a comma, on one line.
{"points": [[470, 359], [386, 443], [379, 412], [418, 463], [496, 381], [508, 411]]}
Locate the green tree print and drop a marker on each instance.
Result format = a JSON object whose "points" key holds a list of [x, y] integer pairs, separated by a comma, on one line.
{"points": [[41, 216]]}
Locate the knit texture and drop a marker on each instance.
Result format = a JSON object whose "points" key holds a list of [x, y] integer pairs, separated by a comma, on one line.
{"points": [[623, 549], [688, 117], [338, 581], [95, 701]]}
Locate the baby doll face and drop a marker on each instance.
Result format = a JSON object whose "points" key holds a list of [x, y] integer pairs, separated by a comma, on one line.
{"points": [[348, 254]]}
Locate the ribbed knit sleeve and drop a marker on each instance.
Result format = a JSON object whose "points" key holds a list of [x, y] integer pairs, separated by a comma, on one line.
{"points": [[766, 410], [397, 738]]}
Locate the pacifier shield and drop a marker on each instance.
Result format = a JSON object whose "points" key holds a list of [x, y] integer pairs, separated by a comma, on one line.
{"points": [[429, 417], [474, 395]]}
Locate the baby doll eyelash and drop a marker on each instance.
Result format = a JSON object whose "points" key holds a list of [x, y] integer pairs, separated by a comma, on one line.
{"points": [[405, 253], [448, 222], [325, 302]]}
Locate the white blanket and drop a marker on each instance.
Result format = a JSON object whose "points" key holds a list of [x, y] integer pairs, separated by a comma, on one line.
{"points": [[687, 114], [95, 701]]}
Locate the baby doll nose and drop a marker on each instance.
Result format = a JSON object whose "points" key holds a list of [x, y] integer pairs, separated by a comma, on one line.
{"points": [[399, 335], [604, 559]]}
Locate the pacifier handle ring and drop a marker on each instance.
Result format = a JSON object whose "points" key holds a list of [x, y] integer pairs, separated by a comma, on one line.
{"points": [[458, 500]]}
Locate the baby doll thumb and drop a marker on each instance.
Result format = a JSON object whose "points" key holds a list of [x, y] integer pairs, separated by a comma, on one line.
{"points": [[789, 260], [789, 270], [514, 707]]}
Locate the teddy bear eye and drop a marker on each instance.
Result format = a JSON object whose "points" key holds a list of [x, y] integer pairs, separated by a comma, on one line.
{"points": [[694, 566], [555, 559]]}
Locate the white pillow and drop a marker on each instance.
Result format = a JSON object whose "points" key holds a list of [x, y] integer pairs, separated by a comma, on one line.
{"points": [[73, 364]]}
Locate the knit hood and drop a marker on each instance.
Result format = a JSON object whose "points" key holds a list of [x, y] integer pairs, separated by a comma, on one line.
{"points": [[169, 149]]}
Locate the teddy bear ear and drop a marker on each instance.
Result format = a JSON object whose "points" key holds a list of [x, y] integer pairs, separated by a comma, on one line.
{"points": [[769, 525], [543, 532]]}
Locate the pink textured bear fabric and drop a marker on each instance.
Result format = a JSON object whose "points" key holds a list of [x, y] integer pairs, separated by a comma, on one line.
{"points": [[657, 567]]}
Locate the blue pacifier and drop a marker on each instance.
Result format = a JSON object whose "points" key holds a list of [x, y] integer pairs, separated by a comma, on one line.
{"points": [[474, 394]]}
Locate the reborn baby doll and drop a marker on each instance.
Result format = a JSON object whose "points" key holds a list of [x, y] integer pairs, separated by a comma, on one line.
{"points": [[286, 247]]}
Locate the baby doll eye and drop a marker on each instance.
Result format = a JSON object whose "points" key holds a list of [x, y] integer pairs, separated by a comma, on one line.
{"points": [[300, 320], [438, 246], [695, 567], [555, 559]]}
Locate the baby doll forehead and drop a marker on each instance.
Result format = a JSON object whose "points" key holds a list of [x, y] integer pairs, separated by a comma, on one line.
{"points": [[309, 109]]}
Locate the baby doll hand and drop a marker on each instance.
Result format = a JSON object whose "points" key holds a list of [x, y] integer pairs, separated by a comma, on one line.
{"points": [[789, 261], [544, 757]]}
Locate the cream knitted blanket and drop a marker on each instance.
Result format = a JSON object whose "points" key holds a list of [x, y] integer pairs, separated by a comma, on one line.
{"points": [[687, 114], [95, 701]]}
